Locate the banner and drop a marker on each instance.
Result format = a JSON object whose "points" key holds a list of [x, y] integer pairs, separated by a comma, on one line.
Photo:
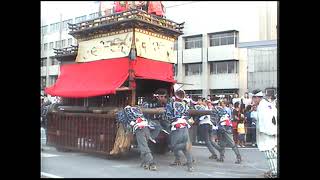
{"points": [[110, 45], [154, 46]]}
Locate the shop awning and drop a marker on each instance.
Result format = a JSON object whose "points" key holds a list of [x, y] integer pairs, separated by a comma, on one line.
{"points": [[151, 69], [90, 79]]}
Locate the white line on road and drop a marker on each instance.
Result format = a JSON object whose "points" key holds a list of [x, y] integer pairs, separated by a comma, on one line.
{"points": [[256, 168], [205, 147], [205, 174], [48, 155], [50, 175]]}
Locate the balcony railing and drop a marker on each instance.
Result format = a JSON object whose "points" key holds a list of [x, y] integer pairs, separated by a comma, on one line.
{"points": [[71, 50]]}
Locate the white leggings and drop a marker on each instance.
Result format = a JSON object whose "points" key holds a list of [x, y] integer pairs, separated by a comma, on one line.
{"points": [[271, 156]]}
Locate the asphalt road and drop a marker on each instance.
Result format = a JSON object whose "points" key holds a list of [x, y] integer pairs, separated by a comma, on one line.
{"points": [[82, 165]]}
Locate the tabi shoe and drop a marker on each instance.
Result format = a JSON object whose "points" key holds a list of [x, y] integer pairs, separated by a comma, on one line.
{"points": [[146, 166], [238, 161], [221, 159], [213, 156], [152, 167], [190, 169], [175, 163]]}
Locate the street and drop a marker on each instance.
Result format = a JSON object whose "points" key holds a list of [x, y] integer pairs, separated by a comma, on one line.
{"points": [[56, 164]]}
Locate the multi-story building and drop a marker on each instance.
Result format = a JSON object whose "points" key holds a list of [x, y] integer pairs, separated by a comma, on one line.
{"points": [[54, 34], [262, 64], [209, 59]]}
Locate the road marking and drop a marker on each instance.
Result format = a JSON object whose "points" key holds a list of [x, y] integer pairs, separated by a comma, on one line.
{"points": [[205, 174], [205, 147], [256, 168], [50, 175], [234, 173], [120, 166], [48, 155]]}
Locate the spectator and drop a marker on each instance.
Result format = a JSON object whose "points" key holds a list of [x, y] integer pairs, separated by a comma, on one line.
{"points": [[236, 99], [209, 104], [246, 99], [251, 125], [209, 97], [242, 106], [241, 131], [235, 120], [230, 105]]}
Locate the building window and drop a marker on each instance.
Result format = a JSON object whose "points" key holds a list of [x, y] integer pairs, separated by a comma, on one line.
{"points": [[224, 67], [94, 15], [193, 69], [69, 42], [175, 46], [80, 19], [193, 42], [44, 29], [45, 46], [55, 27], [43, 62], [51, 45], [58, 44], [220, 39], [65, 23], [175, 69], [43, 82], [63, 43], [213, 68]]}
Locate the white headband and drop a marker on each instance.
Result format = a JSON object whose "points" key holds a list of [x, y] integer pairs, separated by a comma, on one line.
{"points": [[259, 94]]}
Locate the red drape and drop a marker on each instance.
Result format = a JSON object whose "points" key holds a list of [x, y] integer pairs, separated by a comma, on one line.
{"points": [[105, 76], [90, 79], [151, 69]]}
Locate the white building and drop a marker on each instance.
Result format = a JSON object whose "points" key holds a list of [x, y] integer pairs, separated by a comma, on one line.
{"points": [[208, 53], [262, 64], [54, 32]]}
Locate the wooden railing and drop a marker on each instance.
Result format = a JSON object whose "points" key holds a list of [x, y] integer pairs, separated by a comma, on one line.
{"points": [[125, 16], [85, 132], [66, 51]]}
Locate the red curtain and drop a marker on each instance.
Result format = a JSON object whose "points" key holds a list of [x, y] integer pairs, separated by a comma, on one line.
{"points": [[151, 69], [90, 79], [105, 76]]}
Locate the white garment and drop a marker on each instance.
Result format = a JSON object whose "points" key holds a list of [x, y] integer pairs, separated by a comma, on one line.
{"points": [[178, 121], [246, 101], [266, 130], [205, 119], [234, 100]]}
